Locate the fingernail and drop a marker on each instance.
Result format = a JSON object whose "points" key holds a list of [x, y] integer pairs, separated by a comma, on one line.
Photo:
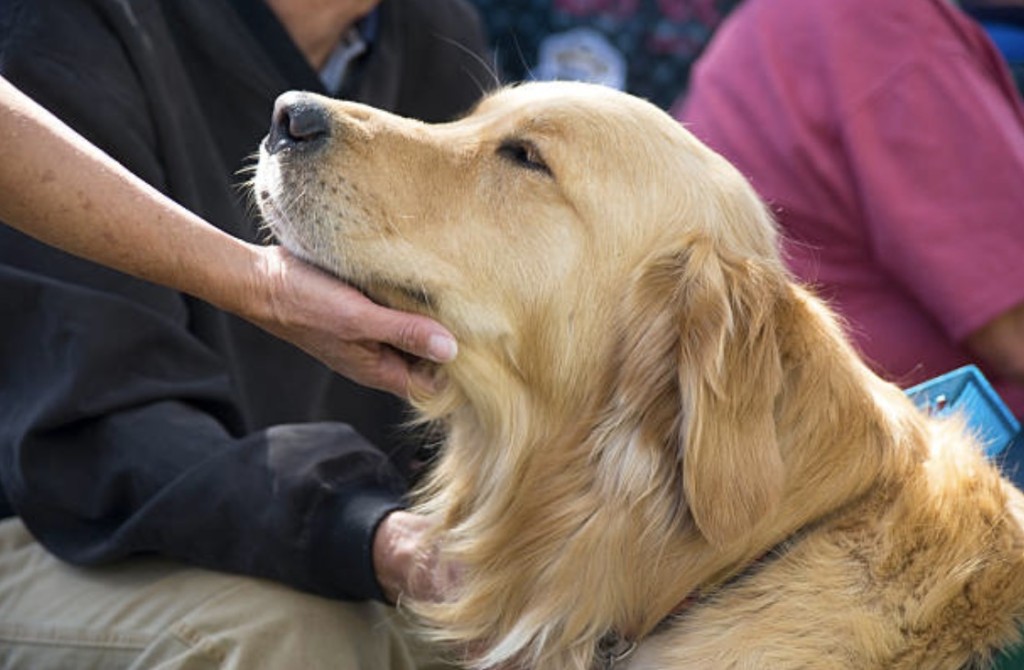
{"points": [[441, 348]]}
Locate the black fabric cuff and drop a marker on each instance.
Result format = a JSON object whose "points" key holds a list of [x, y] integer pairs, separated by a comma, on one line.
{"points": [[343, 561]]}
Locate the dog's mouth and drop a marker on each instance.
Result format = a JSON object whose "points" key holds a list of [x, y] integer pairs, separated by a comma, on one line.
{"points": [[390, 294], [408, 297]]}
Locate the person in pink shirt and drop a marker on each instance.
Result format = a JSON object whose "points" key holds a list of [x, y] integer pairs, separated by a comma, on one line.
{"points": [[888, 138]]}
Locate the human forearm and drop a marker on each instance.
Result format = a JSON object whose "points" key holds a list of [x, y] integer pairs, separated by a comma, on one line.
{"points": [[223, 514], [1000, 343], [296, 504], [59, 188]]}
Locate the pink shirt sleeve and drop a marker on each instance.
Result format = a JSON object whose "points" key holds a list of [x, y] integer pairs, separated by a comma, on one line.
{"points": [[953, 237]]}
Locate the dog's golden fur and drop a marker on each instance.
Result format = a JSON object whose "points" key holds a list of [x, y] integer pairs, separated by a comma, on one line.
{"points": [[645, 404]]}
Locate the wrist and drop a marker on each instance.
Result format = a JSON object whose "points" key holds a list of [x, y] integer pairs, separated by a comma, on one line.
{"points": [[258, 293], [226, 272]]}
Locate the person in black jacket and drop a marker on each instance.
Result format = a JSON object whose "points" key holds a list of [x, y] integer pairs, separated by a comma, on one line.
{"points": [[137, 420]]}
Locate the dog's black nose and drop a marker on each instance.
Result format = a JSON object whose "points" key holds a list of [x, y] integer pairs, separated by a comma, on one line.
{"points": [[299, 122]]}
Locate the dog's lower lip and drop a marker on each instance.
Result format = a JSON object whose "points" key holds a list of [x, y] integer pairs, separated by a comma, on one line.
{"points": [[280, 226]]}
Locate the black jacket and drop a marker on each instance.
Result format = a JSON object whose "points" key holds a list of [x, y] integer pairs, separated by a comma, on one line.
{"points": [[134, 419]]}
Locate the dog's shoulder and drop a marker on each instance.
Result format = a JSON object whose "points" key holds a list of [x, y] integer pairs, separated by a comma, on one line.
{"points": [[925, 567]]}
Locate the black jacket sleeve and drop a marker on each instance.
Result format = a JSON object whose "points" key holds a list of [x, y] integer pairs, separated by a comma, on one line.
{"points": [[125, 423]]}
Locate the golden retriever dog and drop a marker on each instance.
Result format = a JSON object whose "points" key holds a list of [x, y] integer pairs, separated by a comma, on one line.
{"points": [[661, 452]]}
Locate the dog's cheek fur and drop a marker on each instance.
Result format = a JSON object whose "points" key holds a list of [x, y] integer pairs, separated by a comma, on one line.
{"points": [[703, 372]]}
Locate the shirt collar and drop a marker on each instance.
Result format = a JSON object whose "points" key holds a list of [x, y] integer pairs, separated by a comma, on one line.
{"points": [[351, 46]]}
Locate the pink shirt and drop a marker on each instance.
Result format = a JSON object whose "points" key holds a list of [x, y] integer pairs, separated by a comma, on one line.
{"points": [[889, 140]]}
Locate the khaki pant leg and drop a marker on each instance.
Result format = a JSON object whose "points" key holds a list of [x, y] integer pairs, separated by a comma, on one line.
{"points": [[151, 614]]}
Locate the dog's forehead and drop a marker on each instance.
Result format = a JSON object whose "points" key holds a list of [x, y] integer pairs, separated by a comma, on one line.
{"points": [[552, 103]]}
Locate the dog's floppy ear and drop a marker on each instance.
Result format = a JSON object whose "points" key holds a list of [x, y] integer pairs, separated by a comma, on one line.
{"points": [[702, 333]]}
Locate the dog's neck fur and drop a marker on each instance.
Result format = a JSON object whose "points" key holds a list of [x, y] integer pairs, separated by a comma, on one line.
{"points": [[549, 548]]}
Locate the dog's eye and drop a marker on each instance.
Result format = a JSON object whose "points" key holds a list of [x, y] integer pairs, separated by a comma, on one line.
{"points": [[524, 154]]}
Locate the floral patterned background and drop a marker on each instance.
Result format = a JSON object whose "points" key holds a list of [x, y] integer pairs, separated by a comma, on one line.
{"points": [[644, 46]]}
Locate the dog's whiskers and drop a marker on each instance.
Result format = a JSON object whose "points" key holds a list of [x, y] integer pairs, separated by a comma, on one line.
{"points": [[490, 68]]}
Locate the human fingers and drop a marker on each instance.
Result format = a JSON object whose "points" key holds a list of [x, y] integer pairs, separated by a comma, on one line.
{"points": [[353, 316], [390, 370], [412, 333]]}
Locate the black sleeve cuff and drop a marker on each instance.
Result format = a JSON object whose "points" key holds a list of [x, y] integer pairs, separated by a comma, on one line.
{"points": [[343, 561]]}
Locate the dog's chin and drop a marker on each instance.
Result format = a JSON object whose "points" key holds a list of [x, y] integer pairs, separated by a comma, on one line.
{"points": [[393, 293], [280, 226]]}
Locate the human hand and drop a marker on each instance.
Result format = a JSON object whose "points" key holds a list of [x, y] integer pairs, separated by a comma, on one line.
{"points": [[405, 558], [341, 327]]}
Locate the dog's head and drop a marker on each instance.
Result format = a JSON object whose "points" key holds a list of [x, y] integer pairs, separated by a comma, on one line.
{"points": [[578, 240], [616, 291]]}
